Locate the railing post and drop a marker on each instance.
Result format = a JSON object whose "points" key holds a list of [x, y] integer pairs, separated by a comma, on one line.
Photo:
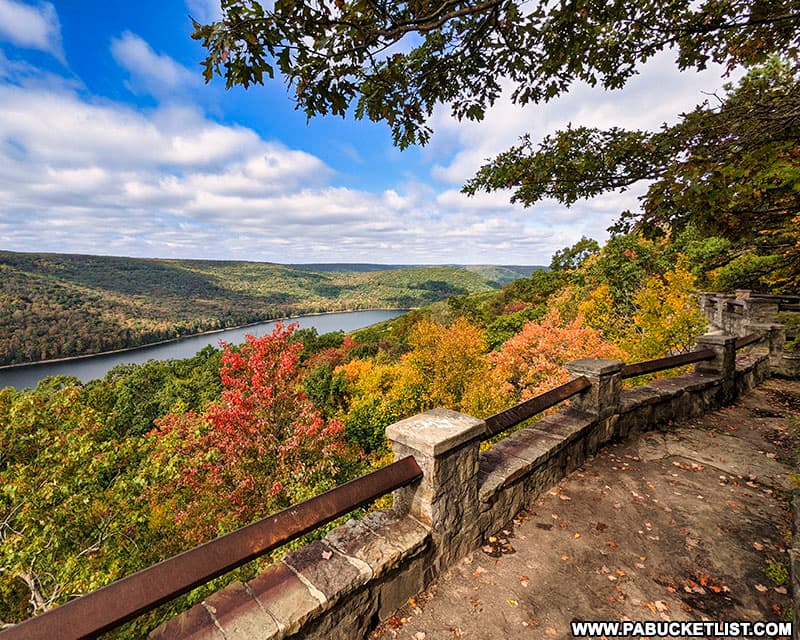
{"points": [[724, 362], [602, 398], [774, 337], [445, 445]]}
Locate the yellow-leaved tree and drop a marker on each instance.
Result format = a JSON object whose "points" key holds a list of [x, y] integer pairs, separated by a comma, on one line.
{"points": [[667, 317]]}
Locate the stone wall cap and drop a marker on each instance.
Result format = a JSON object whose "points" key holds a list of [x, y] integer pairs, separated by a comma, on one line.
{"points": [[437, 431], [594, 366]]}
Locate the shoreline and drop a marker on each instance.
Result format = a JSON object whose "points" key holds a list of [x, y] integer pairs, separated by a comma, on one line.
{"points": [[19, 365]]}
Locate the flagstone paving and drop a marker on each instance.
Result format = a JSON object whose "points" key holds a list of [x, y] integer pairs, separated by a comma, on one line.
{"points": [[689, 522]]}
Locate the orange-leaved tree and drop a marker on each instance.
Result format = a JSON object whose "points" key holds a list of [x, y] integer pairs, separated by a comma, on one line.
{"points": [[261, 447], [532, 361]]}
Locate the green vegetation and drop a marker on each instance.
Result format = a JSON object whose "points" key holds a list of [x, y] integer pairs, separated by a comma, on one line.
{"points": [[97, 481], [777, 573], [54, 306], [100, 480]]}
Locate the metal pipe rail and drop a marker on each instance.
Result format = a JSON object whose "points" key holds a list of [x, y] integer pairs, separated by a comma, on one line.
{"points": [[125, 599], [499, 422], [660, 364], [747, 340]]}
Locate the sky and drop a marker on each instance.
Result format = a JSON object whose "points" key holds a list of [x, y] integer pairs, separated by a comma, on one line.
{"points": [[111, 143]]}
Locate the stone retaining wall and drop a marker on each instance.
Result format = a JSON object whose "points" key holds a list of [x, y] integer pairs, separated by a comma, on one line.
{"points": [[361, 572], [744, 312]]}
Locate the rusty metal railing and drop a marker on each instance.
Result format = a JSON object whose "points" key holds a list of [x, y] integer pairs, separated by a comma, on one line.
{"points": [[750, 338], [125, 599], [660, 364], [499, 422]]}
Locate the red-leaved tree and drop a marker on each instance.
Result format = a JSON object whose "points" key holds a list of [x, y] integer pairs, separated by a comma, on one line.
{"points": [[260, 448]]}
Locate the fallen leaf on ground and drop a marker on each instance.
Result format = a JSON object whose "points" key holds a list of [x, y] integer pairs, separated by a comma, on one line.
{"points": [[513, 603], [761, 588], [564, 557], [650, 606], [419, 635], [523, 580], [478, 571], [326, 555]]}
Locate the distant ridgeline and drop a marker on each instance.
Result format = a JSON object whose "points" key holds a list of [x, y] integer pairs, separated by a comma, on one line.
{"points": [[59, 305]]}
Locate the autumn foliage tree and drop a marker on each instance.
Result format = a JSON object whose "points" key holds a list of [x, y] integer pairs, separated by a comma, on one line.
{"points": [[261, 447], [532, 361]]}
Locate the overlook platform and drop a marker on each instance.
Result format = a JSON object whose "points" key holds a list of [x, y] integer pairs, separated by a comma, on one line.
{"points": [[689, 522]]}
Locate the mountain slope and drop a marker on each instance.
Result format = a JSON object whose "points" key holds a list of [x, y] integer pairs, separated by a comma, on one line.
{"points": [[59, 305]]}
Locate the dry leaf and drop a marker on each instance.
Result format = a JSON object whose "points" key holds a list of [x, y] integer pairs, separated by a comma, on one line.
{"points": [[564, 557], [577, 535], [513, 603], [419, 635], [326, 555], [761, 588]]}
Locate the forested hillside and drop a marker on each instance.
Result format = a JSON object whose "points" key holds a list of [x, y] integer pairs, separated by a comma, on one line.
{"points": [[102, 479], [54, 305]]}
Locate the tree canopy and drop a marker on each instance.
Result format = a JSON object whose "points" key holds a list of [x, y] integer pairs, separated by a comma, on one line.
{"points": [[394, 61], [728, 169]]}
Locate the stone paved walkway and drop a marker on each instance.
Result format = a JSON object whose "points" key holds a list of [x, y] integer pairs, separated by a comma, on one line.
{"points": [[691, 522]]}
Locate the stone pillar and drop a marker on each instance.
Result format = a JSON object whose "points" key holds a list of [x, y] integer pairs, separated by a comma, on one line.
{"points": [[445, 445], [774, 339], [602, 398], [724, 362], [712, 309]]}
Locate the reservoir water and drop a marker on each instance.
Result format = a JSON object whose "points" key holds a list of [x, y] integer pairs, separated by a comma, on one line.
{"points": [[93, 367]]}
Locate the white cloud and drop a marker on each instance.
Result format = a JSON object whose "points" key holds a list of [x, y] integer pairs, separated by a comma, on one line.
{"points": [[85, 175], [88, 176], [150, 72], [204, 11], [657, 95], [31, 27]]}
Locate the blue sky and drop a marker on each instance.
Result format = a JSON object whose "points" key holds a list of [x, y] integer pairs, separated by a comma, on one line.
{"points": [[111, 143]]}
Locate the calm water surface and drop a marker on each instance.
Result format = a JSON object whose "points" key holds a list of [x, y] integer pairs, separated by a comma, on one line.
{"points": [[94, 367]]}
